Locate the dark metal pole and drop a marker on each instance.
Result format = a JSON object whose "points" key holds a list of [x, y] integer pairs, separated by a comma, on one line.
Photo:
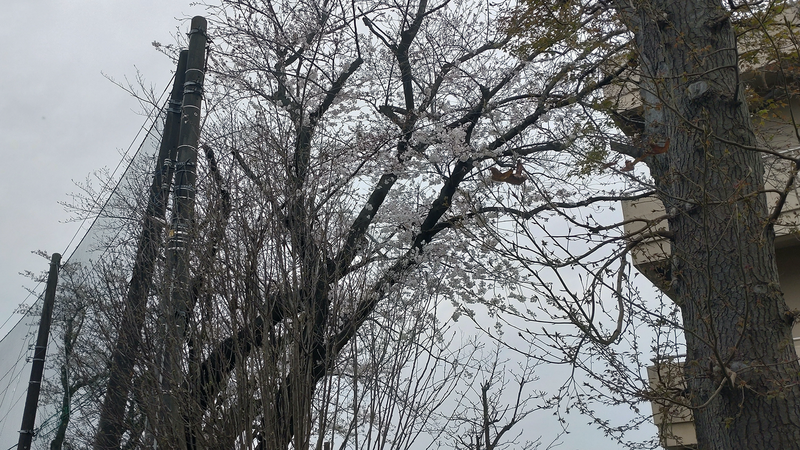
{"points": [[32, 401], [112, 413], [180, 236]]}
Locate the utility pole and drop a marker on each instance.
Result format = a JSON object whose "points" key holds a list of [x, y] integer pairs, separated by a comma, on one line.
{"points": [[39, 353], [112, 413], [181, 233]]}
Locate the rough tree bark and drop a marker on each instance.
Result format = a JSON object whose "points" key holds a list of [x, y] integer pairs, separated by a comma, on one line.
{"points": [[741, 367]]}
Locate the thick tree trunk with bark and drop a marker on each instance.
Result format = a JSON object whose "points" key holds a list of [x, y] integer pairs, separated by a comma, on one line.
{"points": [[741, 366]]}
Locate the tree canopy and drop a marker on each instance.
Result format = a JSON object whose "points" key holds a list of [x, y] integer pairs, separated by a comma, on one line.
{"points": [[374, 175]]}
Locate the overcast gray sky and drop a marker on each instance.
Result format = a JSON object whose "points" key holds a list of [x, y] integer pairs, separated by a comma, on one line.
{"points": [[61, 119]]}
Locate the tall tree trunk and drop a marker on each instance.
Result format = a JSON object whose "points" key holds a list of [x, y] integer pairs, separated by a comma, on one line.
{"points": [[741, 366]]}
